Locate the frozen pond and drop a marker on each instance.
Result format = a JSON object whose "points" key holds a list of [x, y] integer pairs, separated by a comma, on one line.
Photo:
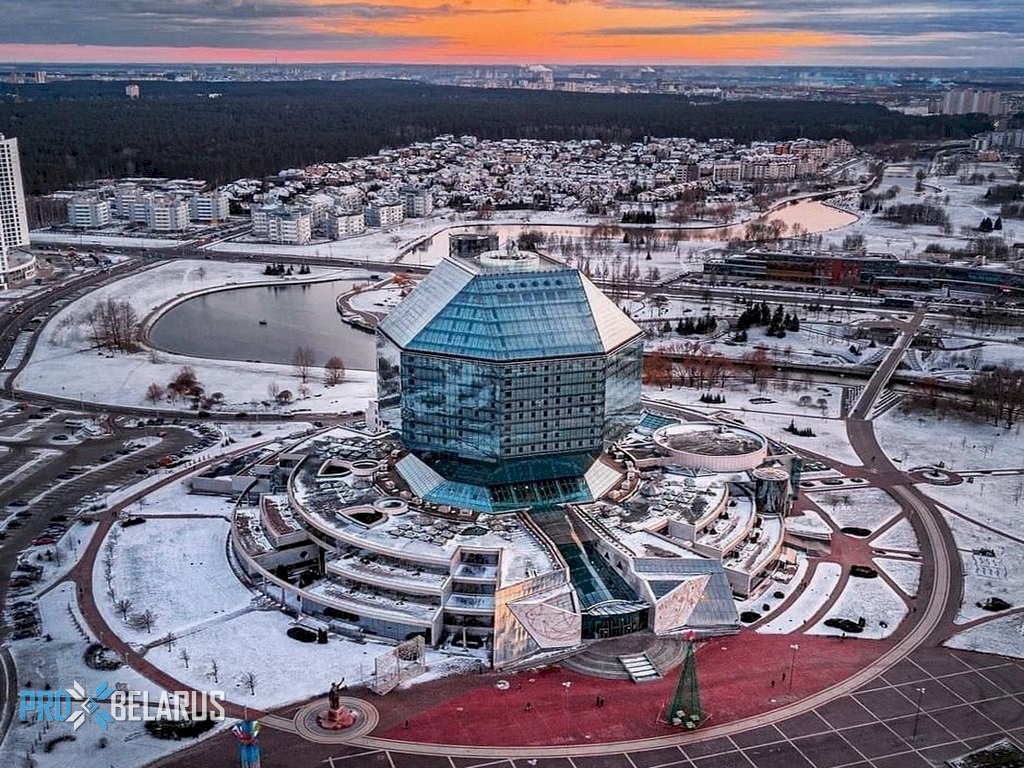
{"points": [[265, 323]]}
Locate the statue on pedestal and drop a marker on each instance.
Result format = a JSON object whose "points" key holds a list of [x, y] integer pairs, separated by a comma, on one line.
{"points": [[336, 717]]}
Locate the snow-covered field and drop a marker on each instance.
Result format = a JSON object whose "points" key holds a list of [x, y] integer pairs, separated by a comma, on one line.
{"points": [[923, 439], [176, 568], [899, 537], [829, 439], [817, 593], [1000, 575], [286, 670], [872, 599], [113, 241], [869, 508], [996, 501], [767, 595], [808, 521], [123, 379], [59, 663], [1004, 636], [772, 417], [906, 573], [175, 499]]}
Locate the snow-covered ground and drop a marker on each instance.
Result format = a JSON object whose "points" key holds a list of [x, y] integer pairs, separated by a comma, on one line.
{"points": [[965, 208], [113, 241], [869, 508], [1004, 636], [999, 575], [830, 438], [767, 595], [813, 598], [59, 663], [996, 501], [872, 599], [176, 568], [899, 537], [175, 499], [286, 670], [774, 412], [918, 439], [906, 573], [57, 559], [123, 379], [808, 521]]}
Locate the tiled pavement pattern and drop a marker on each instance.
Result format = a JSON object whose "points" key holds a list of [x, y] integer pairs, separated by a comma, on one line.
{"points": [[969, 700]]}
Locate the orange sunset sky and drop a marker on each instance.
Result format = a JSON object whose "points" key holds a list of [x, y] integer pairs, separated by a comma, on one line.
{"points": [[966, 33]]}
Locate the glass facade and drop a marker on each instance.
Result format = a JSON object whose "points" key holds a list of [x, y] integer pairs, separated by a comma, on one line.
{"points": [[508, 378]]}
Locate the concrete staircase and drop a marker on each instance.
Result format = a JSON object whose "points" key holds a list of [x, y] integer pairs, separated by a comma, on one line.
{"points": [[604, 658], [639, 667]]}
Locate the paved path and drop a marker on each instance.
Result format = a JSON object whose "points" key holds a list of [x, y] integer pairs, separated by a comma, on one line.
{"points": [[869, 395]]}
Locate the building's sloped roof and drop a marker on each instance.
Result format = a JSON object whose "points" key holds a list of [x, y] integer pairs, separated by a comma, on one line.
{"points": [[716, 607], [507, 316], [417, 309]]}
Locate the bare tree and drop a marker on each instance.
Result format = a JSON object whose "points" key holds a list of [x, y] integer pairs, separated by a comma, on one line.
{"points": [[284, 397], [114, 325], [184, 655], [155, 393], [273, 389], [144, 620], [303, 359], [334, 371], [304, 391], [249, 680], [214, 670], [123, 606]]}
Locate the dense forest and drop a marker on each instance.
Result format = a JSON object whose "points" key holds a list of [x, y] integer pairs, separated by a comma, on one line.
{"points": [[81, 130]]}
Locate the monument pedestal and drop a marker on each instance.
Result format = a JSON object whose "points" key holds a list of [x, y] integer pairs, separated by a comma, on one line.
{"points": [[336, 718]]}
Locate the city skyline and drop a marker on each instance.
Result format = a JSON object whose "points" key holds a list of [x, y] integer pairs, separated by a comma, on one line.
{"points": [[796, 32]]}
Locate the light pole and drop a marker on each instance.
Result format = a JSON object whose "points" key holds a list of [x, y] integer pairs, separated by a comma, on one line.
{"points": [[792, 663], [917, 714]]}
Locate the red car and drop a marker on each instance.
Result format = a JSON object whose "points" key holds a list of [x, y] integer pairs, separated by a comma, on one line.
{"points": [[43, 540]]}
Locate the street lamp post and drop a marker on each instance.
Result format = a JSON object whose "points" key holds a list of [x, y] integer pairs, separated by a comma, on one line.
{"points": [[792, 663], [917, 714]]}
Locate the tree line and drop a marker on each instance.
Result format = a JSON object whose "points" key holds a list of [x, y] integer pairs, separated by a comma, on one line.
{"points": [[81, 130]]}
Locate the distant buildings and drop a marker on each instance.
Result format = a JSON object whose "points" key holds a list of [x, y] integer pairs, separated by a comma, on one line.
{"points": [[209, 207], [165, 213], [14, 264], [88, 211], [417, 202], [966, 101], [343, 223], [385, 215], [282, 224], [156, 204]]}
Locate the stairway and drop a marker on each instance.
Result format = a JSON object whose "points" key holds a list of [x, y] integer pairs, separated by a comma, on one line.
{"points": [[639, 667]]}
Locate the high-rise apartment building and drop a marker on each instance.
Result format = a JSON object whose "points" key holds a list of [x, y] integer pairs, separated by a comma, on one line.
{"points": [[13, 219]]}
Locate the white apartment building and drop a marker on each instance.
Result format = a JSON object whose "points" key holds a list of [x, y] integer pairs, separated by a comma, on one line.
{"points": [[341, 224], [125, 196], [726, 172], [260, 215], [385, 215], [13, 218], [418, 202], [212, 207], [289, 226], [166, 213], [88, 211]]}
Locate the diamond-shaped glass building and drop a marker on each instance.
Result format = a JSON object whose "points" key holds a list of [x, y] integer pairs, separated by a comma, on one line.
{"points": [[505, 374]]}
